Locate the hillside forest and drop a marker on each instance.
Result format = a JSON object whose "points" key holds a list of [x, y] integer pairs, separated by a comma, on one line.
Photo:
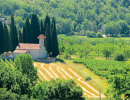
{"points": [[79, 17]]}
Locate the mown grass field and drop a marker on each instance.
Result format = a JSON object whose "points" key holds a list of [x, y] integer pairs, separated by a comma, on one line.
{"points": [[66, 71]]}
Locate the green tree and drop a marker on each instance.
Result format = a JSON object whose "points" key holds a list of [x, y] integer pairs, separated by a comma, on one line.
{"points": [[28, 34], [35, 28], [6, 40], [47, 40], [26, 67], [1, 37], [54, 44], [20, 37], [13, 34], [42, 28], [47, 21], [24, 35]]}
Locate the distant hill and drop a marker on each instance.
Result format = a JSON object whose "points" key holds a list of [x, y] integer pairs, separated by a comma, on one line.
{"points": [[72, 15]]}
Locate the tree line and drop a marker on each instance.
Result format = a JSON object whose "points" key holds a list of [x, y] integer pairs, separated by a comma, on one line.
{"points": [[31, 30], [80, 17]]}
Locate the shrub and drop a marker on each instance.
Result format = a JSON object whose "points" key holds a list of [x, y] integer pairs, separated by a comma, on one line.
{"points": [[87, 78], [99, 34], [90, 34], [67, 55], [120, 57]]}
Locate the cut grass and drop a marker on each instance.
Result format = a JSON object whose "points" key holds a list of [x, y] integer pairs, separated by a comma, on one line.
{"points": [[97, 82]]}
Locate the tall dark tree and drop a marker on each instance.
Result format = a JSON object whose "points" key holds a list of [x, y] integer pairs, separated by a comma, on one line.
{"points": [[1, 38], [6, 40], [13, 34], [20, 37], [27, 35], [54, 44], [35, 28], [24, 38], [47, 21], [42, 29], [47, 40]]}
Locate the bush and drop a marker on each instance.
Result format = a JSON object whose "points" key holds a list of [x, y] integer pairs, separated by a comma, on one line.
{"points": [[67, 55], [87, 78], [99, 34], [120, 57], [90, 34]]}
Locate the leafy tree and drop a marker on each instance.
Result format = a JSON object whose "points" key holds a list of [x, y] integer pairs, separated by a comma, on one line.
{"points": [[1, 37], [6, 40], [26, 67], [106, 50]]}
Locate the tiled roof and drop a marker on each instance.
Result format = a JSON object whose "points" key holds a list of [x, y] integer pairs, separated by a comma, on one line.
{"points": [[26, 46], [20, 51], [41, 36]]}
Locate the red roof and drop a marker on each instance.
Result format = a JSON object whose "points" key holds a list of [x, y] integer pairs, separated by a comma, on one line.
{"points": [[41, 36], [26, 46], [20, 51]]}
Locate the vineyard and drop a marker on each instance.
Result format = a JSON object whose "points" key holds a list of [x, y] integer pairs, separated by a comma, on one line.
{"points": [[101, 68], [9, 63]]}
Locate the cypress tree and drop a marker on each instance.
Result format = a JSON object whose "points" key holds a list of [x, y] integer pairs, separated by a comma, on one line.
{"points": [[13, 34], [24, 38], [42, 29], [20, 37], [54, 44], [28, 35], [48, 43], [47, 21], [35, 28], [6, 40], [16, 37], [1, 38]]}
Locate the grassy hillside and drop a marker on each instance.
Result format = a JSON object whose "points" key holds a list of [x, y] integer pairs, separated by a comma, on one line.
{"points": [[73, 16]]}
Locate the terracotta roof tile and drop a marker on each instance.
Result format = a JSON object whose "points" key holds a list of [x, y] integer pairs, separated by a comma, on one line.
{"points": [[20, 51], [26, 46], [41, 36]]}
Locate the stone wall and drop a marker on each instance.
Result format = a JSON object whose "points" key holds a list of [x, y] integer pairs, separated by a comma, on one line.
{"points": [[7, 56], [47, 60]]}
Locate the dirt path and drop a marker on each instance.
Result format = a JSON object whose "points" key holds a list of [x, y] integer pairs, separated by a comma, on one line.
{"points": [[48, 71]]}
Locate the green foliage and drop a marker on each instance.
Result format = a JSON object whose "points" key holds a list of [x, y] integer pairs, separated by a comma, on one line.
{"points": [[20, 37], [72, 16], [35, 29], [102, 68], [99, 34], [24, 64], [67, 55], [6, 40], [13, 34], [120, 57], [87, 78], [1, 38], [48, 39], [62, 89], [54, 41]]}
